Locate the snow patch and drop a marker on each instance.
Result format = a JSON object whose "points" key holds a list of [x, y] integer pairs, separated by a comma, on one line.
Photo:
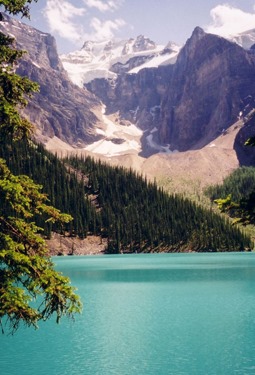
{"points": [[110, 149], [119, 139], [95, 59], [35, 64], [16, 27], [80, 74], [155, 62]]}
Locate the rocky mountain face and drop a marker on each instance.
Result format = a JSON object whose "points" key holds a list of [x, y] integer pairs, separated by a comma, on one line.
{"points": [[60, 108], [187, 104], [246, 154], [181, 100], [210, 82], [136, 97]]}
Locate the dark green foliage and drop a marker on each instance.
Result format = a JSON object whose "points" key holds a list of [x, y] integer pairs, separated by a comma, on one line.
{"points": [[26, 271], [240, 184], [138, 216], [17, 6], [120, 205], [250, 142], [62, 186], [236, 195]]}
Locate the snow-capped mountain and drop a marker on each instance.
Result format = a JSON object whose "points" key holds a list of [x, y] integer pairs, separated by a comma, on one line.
{"points": [[108, 58], [245, 39]]}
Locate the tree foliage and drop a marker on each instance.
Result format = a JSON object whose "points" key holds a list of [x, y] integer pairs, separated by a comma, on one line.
{"points": [[27, 274], [132, 214], [238, 190], [17, 6], [250, 142], [135, 215], [60, 183]]}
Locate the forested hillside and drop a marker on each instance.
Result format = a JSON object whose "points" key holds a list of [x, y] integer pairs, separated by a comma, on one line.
{"points": [[63, 188], [132, 213], [236, 195], [240, 184]]}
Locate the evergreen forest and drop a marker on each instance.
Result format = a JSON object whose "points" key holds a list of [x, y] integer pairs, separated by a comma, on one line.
{"points": [[236, 195], [240, 184], [120, 205]]}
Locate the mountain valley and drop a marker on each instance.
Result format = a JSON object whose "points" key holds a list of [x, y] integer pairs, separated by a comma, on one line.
{"points": [[179, 115]]}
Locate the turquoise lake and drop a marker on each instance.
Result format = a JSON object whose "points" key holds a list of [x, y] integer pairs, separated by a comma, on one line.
{"points": [[155, 314]]}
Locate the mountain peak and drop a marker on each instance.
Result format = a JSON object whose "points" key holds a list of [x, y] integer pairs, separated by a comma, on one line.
{"points": [[143, 43], [190, 46], [106, 59], [87, 46], [198, 32], [197, 35]]}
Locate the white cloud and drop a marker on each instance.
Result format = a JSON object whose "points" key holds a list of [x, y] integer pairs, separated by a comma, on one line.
{"points": [[63, 20], [103, 6], [59, 15], [105, 29], [227, 20]]}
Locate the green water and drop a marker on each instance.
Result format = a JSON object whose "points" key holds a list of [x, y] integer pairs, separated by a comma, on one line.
{"points": [[156, 314]]}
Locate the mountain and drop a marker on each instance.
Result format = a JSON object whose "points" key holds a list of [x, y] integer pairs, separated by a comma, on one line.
{"points": [[185, 105], [109, 58], [198, 104], [207, 91], [60, 109]]}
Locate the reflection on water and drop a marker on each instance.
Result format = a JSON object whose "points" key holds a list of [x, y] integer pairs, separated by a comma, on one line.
{"points": [[147, 314]]}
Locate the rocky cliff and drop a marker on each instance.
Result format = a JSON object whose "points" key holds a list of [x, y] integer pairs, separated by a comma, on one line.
{"points": [[210, 82], [188, 103], [60, 108], [136, 97]]}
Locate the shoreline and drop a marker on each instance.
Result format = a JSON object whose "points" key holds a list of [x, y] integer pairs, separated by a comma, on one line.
{"points": [[60, 245]]}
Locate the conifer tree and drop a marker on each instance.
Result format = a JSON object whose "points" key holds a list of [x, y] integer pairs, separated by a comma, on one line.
{"points": [[26, 271]]}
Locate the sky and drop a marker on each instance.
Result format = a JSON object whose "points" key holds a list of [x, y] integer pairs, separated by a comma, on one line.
{"points": [[72, 22]]}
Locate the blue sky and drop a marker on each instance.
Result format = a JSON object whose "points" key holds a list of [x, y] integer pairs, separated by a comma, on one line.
{"points": [[72, 22]]}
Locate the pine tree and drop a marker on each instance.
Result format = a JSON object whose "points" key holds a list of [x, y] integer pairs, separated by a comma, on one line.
{"points": [[26, 271]]}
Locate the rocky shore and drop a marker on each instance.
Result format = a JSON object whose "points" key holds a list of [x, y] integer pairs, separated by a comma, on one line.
{"points": [[60, 245]]}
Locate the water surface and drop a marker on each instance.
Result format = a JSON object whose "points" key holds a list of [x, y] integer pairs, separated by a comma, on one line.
{"points": [[154, 314]]}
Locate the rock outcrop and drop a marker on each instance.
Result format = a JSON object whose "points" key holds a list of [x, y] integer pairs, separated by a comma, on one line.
{"points": [[60, 108], [246, 154], [136, 97]]}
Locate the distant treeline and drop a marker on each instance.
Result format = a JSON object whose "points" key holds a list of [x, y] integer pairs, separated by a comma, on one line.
{"points": [[120, 205]]}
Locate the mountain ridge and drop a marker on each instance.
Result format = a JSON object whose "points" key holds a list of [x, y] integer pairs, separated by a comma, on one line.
{"points": [[109, 56], [60, 108], [187, 104], [105, 59], [142, 103]]}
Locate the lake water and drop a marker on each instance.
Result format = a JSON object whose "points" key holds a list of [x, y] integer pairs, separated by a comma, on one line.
{"points": [[155, 314]]}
